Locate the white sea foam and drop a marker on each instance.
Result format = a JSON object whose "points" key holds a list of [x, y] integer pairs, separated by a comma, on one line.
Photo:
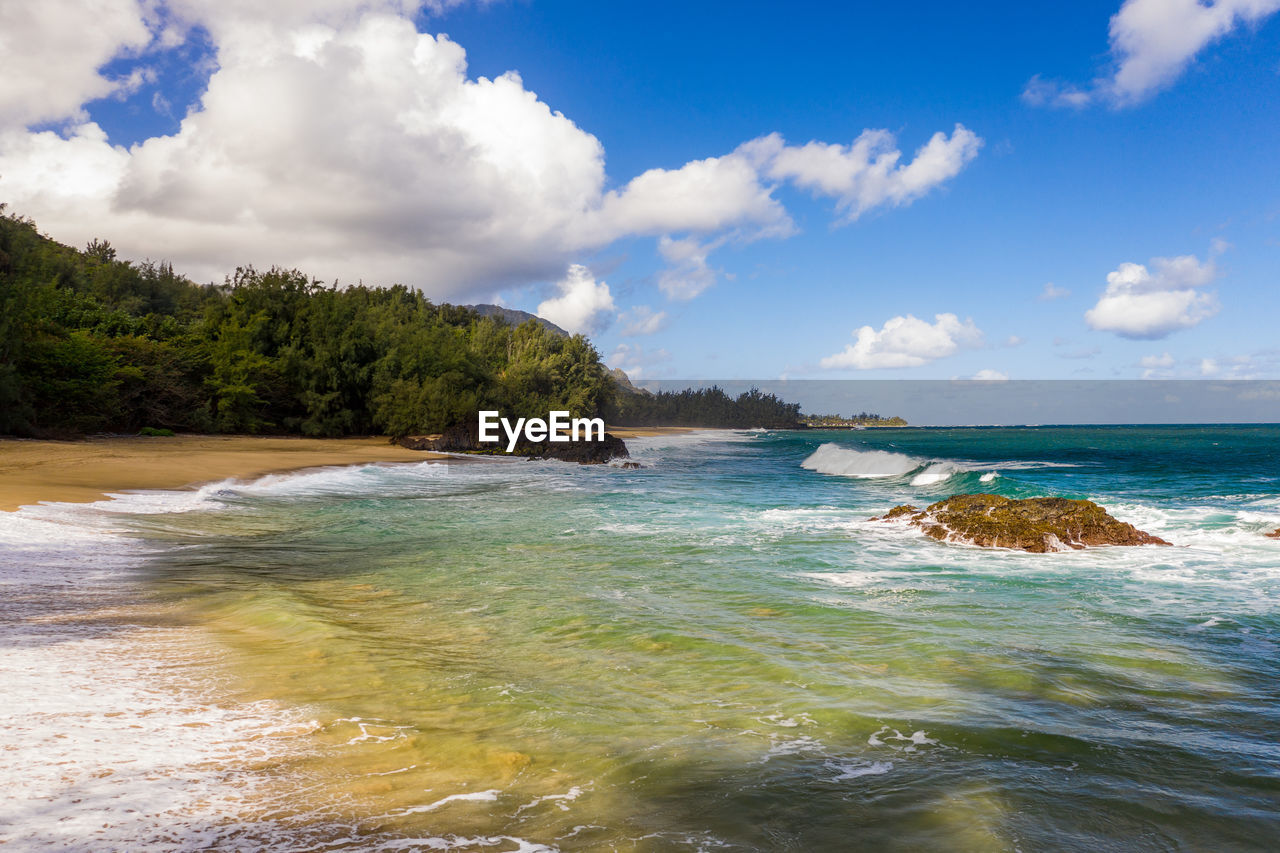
{"points": [[561, 800], [831, 458], [838, 460], [781, 746], [107, 747], [786, 722], [901, 742], [653, 450], [116, 735], [936, 472], [473, 797], [854, 770], [804, 519]]}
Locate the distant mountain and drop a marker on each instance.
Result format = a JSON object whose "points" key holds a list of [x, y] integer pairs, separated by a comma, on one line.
{"points": [[624, 383], [512, 317]]}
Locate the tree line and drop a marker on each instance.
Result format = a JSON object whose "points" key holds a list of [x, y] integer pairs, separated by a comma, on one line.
{"points": [[90, 343], [705, 407]]}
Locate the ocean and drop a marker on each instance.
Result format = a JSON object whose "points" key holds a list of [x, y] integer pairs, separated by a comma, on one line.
{"points": [[717, 651]]}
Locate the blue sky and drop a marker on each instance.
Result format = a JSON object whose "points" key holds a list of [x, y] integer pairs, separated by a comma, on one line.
{"points": [[1093, 138]]}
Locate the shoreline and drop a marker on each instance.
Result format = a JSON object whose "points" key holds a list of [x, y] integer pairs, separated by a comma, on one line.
{"points": [[625, 433], [34, 471]]}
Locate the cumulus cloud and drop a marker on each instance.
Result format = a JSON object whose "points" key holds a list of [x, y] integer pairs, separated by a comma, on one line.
{"points": [[702, 196], [53, 52], [583, 304], [869, 172], [990, 375], [642, 320], [687, 273], [336, 138], [1051, 292], [1146, 305], [905, 342], [1152, 42]]}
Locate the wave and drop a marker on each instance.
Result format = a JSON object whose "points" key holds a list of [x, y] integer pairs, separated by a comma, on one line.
{"points": [[843, 461], [886, 465], [831, 458]]}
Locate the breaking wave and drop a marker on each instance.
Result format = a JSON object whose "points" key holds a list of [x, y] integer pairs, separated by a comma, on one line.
{"points": [[842, 461]]}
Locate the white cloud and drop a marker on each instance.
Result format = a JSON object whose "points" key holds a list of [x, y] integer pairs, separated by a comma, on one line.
{"points": [[702, 196], [642, 320], [336, 138], [1155, 365], [868, 173], [687, 273], [583, 304], [905, 342], [1143, 305], [1152, 42], [1014, 341], [989, 375], [636, 361], [1052, 291], [1255, 365], [53, 50]]}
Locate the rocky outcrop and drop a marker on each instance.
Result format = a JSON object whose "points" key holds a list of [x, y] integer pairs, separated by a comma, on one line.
{"points": [[465, 438], [512, 317], [1275, 534], [1038, 525], [624, 385]]}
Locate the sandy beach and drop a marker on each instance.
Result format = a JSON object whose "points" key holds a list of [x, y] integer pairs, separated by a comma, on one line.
{"points": [[648, 432], [79, 471]]}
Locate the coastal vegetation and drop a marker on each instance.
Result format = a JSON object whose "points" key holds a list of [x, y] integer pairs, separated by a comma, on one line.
{"points": [[91, 343], [862, 419], [703, 407]]}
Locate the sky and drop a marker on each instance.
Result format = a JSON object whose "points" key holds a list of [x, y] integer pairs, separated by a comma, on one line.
{"points": [[829, 191]]}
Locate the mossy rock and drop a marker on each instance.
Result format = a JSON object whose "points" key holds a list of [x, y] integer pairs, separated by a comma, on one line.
{"points": [[1038, 525]]}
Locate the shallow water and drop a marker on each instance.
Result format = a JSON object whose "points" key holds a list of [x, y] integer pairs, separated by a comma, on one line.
{"points": [[717, 651]]}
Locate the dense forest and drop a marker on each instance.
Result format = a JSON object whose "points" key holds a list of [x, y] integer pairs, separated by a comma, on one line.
{"points": [[704, 407], [92, 343]]}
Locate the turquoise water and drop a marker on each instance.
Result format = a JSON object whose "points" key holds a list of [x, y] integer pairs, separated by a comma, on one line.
{"points": [[720, 652]]}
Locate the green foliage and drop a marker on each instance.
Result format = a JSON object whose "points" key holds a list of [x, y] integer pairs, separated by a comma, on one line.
{"points": [[92, 343], [704, 407], [152, 432], [860, 419]]}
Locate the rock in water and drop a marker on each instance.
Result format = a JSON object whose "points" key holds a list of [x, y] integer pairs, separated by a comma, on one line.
{"points": [[1038, 525], [1275, 534]]}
